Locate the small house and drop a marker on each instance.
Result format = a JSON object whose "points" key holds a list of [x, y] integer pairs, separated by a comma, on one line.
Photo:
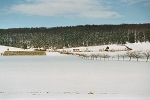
{"points": [[107, 48], [76, 50]]}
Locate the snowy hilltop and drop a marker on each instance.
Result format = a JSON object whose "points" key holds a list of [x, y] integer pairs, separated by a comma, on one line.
{"points": [[113, 52], [131, 50]]}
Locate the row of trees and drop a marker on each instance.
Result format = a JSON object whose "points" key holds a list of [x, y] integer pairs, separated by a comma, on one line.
{"points": [[74, 36], [134, 54]]}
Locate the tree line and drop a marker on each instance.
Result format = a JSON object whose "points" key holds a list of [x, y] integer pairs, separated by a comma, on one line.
{"points": [[129, 54], [74, 36]]}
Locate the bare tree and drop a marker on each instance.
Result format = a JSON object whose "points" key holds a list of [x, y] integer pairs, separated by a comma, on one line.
{"points": [[137, 54], [96, 56], [108, 57], [85, 56], [129, 54], [81, 55], [105, 56], [100, 56], [92, 56], [118, 56], [76, 54], [147, 54], [112, 58], [123, 56]]}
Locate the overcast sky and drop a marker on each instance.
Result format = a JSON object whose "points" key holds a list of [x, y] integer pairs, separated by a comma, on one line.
{"points": [[53, 13]]}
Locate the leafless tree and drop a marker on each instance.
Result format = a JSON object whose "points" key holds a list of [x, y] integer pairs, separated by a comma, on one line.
{"points": [[118, 56], [76, 54], [92, 56], [100, 56], [136, 54], [129, 54], [147, 54], [105, 56], [81, 55], [84, 56], [87, 56], [123, 56], [96, 56], [112, 58], [108, 57]]}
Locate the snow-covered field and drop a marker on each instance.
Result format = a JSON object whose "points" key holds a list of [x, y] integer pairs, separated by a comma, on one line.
{"points": [[95, 49], [67, 77], [5, 48], [72, 78], [135, 47], [114, 50]]}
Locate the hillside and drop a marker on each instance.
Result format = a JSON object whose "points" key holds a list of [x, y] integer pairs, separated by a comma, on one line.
{"points": [[74, 36]]}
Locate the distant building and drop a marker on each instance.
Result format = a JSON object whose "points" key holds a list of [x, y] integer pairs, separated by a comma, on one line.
{"points": [[107, 48], [76, 50]]}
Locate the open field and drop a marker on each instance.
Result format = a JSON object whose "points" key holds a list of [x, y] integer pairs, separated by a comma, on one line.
{"points": [[72, 78], [69, 77]]}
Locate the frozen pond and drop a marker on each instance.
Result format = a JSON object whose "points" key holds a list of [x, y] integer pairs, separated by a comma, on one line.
{"points": [[72, 78]]}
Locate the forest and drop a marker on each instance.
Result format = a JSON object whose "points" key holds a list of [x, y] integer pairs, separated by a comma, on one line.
{"points": [[74, 36]]}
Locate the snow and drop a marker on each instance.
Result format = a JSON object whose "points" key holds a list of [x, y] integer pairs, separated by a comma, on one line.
{"points": [[94, 49], [66, 77], [139, 46], [135, 47], [5, 48], [118, 49], [72, 78]]}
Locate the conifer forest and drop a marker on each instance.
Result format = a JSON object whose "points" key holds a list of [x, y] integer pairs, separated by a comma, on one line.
{"points": [[75, 36]]}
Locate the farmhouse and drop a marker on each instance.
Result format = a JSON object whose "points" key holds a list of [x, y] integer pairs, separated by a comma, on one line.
{"points": [[76, 50], [115, 48], [107, 48]]}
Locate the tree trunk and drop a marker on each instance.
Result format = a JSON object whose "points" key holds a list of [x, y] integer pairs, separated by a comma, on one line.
{"points": [[147, 59], [130, 59]]}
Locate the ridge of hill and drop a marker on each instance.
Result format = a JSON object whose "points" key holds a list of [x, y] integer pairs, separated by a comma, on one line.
{"points": [[75, 36]]}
